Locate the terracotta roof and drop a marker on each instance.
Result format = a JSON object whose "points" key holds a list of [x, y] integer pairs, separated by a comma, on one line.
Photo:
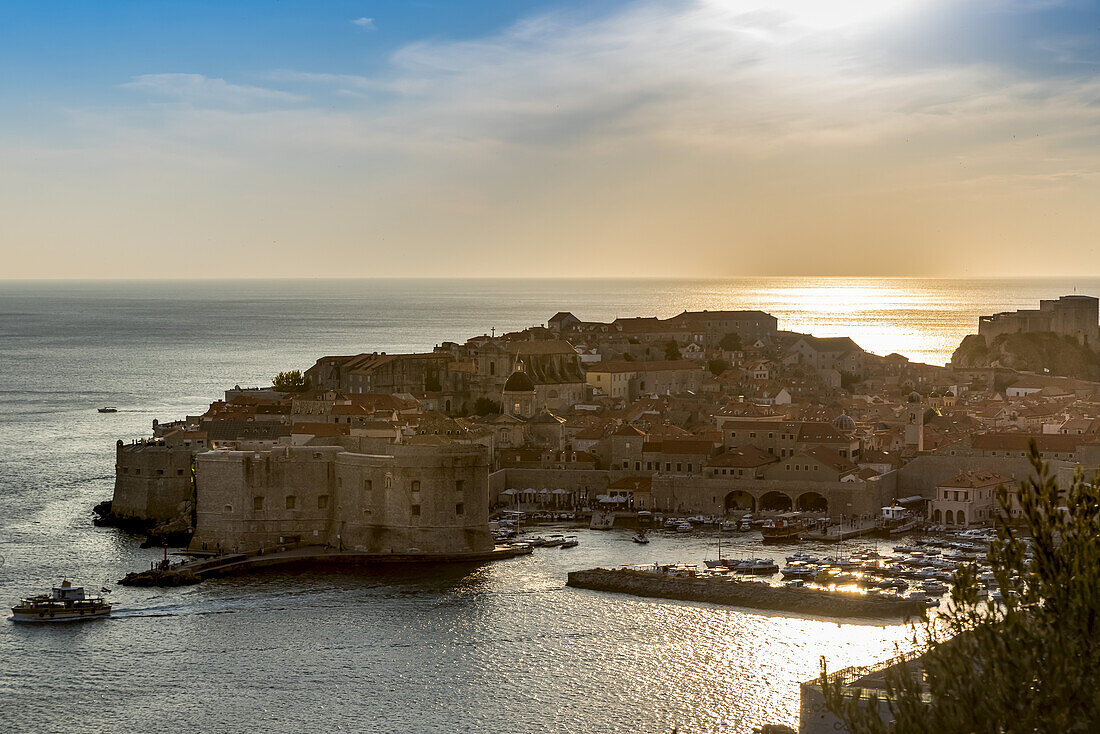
{"points": [[973, 479], [1020, 442], [744, 458]]}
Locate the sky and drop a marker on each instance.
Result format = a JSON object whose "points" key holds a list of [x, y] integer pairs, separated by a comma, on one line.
{"points": [[286, 138]]}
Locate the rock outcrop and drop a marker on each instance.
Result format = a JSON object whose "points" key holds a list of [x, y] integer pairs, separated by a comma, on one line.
{"points": [[1041, 353]]}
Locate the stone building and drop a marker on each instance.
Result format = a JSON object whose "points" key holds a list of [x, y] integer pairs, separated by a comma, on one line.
{"points": [[414, 500], [153, 480], [1074, 316]]}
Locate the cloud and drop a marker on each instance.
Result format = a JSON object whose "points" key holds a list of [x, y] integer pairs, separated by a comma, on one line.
{"points": [[679, 137], [202, 90], [366, 24]]}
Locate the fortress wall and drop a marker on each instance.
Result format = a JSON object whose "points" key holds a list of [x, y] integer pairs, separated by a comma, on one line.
{"points": [[152, 481], [415, 499], [924, 473], [708, 495], [243, 498]]}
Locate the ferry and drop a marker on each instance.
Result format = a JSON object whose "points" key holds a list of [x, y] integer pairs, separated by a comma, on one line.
{"points": [[67, 603]]}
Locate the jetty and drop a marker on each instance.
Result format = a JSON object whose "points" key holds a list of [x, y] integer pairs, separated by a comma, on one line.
{"points": [[194, 571], [803, 601]]}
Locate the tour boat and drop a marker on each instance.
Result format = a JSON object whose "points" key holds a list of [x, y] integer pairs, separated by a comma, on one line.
{"points": [[66, 603], [108, 409]]}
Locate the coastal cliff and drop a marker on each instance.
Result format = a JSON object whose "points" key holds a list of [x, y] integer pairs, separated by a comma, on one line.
{"points": [[1039, 352], [807, 602]]}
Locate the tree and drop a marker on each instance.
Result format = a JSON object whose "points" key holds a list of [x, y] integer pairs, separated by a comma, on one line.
{"points": [[716, 366], [293, 381], [1031, 663], [731, 342], [672, 352]]}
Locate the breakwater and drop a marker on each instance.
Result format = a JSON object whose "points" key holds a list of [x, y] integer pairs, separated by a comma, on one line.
{"points": [[808, 602]]}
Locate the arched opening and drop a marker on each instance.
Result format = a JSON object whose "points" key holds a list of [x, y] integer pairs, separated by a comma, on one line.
{"points": [[738, 500], [950, 517], [960, 518], [776, 501], [937, 516], [812, 502]]}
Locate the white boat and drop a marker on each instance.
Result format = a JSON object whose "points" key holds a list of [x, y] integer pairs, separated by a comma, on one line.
{"points": [[570, 542], [640, 538], [66, 603], [684, 527], [746, 527]]}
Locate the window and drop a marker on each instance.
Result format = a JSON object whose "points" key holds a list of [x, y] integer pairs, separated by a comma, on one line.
{"points": [[679, 466], [291, 502], [179, 472], [257, 503], [229, 508], [322, 501], [492, 368], [460, 484], [416, 485], [459, 509], [416, 510], [339, 481], [367, 485]]}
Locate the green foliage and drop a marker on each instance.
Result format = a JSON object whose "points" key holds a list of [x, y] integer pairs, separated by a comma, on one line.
{"points": [[731, 342], [1029, 664], [485, 406], [672, 352], [717, 366], [292, 381]]}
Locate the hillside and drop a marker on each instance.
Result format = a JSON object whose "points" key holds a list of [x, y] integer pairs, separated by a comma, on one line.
{"points": [[1041, 352]]}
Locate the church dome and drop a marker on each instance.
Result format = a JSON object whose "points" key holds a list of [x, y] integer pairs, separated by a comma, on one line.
{"points": [[844, 422], [519, 382], [915, 397]]}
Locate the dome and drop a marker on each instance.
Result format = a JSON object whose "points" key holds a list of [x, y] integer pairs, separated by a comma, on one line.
{"points": [[914, 397], [844, 422], [519, 382]]}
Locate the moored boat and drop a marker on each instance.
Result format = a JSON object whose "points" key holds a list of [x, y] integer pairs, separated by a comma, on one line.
{"points": [[781, 530], [66, 603]]}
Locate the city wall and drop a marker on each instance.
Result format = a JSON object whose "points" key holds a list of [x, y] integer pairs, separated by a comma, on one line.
{"points": [[152, 481], [685, 494], [425, 500]]}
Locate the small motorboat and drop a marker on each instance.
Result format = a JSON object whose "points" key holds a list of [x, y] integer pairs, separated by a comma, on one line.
{"points": [[108, 409], [758, 567], [640, 538], [66, 603], [570, 542], [684, 527]]}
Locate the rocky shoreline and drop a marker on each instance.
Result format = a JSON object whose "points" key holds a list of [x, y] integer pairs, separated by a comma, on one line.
{"points": [[806, 602]]}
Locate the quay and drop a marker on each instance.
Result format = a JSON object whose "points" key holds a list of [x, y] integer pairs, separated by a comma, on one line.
{"points": [[194, 571], [802, 601]]}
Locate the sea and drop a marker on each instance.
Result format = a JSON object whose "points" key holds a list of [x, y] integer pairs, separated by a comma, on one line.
{"points": [[501, 647]]}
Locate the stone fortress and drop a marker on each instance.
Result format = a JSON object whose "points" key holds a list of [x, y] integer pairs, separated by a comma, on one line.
{"points": [[1073, 316], [377, 499]]}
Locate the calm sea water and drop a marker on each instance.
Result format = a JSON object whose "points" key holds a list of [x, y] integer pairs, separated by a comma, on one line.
{"points": [[504, 647]]}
